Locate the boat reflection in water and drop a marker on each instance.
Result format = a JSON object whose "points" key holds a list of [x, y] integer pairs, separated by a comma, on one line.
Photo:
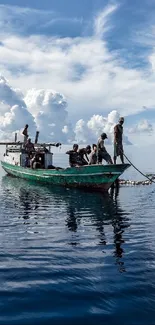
{"points": [[78, 214]]}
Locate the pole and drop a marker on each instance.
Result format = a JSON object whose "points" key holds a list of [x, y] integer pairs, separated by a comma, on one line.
{"points": [[37, 136]]}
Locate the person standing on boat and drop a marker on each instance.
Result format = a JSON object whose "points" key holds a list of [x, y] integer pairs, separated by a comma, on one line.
{"points": [[118, 138], [93, 155], [29, 146], [83, 155], [101, 150], [25, 133], [74, 156]]}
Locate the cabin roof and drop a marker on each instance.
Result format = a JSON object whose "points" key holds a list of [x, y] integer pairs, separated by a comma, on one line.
{"points": [[35, 144]]}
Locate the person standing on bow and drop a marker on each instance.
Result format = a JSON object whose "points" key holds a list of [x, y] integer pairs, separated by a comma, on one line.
{"points": [[101, 150], [25, 133], [118, 140]]}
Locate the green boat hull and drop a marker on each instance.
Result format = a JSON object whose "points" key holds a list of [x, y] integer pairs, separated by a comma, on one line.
{"points": [[99, 177]]}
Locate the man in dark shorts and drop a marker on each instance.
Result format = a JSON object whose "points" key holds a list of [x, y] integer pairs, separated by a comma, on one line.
{"points": [[83, 155], [101, 150], [118, 138]]}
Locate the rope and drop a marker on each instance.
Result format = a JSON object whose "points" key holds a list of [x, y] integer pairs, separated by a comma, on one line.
{"points": [[150, 179]]}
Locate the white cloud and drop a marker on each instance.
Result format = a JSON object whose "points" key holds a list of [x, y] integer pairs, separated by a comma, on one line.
{"points": [[9, 95], [99, 124], [100, 23], [46, 111], [41, 109], [89, 132], [142, 126], [49, 109], [65, 129], [93, 79], [14, 113], [82, 134]]}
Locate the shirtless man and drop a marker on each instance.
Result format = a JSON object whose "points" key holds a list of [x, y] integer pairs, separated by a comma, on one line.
{"points": [[118, 138], [73, 156], [29, 146], [83, 155]]}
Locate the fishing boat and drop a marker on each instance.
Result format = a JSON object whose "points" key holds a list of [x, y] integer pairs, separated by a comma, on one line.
{"points": [[99, 177]]}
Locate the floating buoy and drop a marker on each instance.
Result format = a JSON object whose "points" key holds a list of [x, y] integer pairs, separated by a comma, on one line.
{"points": [[133, 183]]}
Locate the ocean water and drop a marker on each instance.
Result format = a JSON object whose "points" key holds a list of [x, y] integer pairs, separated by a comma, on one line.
{"points": [[75, 257]]}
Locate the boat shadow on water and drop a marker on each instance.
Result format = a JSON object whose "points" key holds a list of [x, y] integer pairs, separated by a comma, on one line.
{"points": [[80, 207]]}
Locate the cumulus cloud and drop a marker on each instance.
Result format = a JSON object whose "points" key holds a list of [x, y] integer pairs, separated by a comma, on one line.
{"points": [[82, 132], [88, 132], [99, 124], [143, 126], [49, 109], [14, 113], [45, 110], [8, 95], [65, 129]]}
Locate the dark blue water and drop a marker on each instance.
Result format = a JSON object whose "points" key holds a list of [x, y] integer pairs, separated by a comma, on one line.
{"points": [[74, 257]]}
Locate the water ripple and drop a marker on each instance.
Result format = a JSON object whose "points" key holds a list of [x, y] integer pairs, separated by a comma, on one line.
{"points": [[68, 256]]}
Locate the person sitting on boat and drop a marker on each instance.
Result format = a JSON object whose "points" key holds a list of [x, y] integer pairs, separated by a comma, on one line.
{"points": [[32, 160], [74, 160], [83, 153], [35, 162], [101, 150], [28, 160], [25, 133], [29, 146], [93, 155], [118, 138]]}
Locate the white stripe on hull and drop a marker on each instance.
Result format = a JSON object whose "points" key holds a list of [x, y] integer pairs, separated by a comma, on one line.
{"points": [[62, 175]]}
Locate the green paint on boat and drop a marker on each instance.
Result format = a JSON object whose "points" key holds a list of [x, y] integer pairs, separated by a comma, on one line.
{"points": [[94, 176]]}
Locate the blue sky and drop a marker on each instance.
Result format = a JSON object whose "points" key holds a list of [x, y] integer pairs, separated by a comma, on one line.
{"points": [[132, 14], [98, 53]]}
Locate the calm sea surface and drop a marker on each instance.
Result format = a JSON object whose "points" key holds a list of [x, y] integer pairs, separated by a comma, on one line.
{"points": [[74, 257]]}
